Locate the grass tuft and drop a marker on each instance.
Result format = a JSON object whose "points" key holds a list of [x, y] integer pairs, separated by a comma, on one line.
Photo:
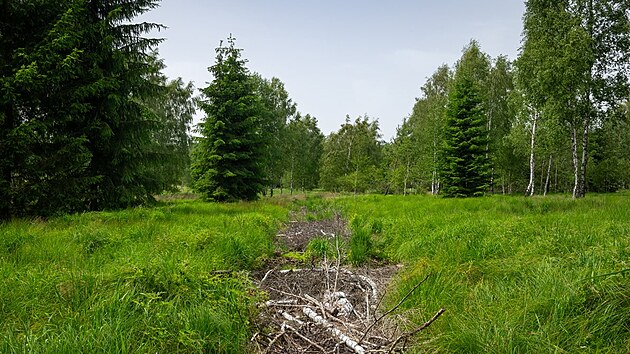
{"points": [[516, 275], [134, 281]]}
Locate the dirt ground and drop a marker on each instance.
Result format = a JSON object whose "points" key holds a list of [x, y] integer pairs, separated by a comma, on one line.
{"points": [[323, 307], [297, 234]]}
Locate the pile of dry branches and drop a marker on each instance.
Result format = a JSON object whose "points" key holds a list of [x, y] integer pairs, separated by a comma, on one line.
{"points": [[328, 310]]}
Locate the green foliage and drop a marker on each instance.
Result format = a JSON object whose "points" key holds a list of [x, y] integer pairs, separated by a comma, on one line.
{"points": [[466, 170], [227, 162], [322, 248], [75, 132], [352, 157], [514, 274], [173, 107], [317, 207], [363, 245], [138, 280], [278, 109], [574, 68], [418, 146], [360, 243], [610, 156], [303, 150]]}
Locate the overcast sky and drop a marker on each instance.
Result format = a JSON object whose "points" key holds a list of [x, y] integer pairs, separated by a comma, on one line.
{"points": [[338, 57]]}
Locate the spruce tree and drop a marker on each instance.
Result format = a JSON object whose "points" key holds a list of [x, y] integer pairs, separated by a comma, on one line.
{"points": [[227, 161], [122, 134], [466, 167], [77, 128]]}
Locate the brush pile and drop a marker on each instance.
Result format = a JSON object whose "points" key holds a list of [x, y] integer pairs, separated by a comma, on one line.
{"points": [[329, 310]]}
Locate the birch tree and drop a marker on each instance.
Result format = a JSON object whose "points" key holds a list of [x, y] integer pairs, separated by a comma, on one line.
{"points": [[278, 109], [426, 127], [575, 66], [352, 156], [303, 150]]}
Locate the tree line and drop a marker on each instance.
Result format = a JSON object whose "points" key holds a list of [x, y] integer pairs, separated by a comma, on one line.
{"points": [[88, 120], [555, 119]]}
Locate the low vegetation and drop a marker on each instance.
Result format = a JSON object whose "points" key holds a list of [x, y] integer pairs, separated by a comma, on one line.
{"points": [[141, 280], [514, 274]]}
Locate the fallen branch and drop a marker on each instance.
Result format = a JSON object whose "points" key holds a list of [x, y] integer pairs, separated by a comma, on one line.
{"points": [[290, 317], [427, 323], [297, 333], [352, 344], [266, 275], [316, 303], [372, 285], [415, 331], [271, 303], [393, 308], [273, 341]]}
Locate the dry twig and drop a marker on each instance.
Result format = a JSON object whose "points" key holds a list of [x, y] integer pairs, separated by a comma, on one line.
{"points": [[394, 308]]}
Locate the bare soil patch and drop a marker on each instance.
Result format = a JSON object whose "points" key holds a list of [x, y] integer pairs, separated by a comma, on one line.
{"points": [[325, 307], [298, 233], [325, 310]]}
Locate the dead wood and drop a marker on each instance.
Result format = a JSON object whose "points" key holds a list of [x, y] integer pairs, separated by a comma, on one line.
{"points": [[330, 308]]}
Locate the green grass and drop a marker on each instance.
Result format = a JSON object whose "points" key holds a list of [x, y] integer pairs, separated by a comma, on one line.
{"points": [[516, 275], [134, 281]]}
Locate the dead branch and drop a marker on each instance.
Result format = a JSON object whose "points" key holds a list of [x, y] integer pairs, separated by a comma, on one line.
{"points": [[352, 344], [347, 302], [394, 308], [415, 331], [290, 317], [297, 333]]}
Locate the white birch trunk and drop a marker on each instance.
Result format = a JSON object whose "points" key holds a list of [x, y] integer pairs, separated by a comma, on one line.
{"points": [[532, 161], [291, 177], [435, 184], [576, 165], [335, 331], [406, 177], [582, 185], [546, 190]]}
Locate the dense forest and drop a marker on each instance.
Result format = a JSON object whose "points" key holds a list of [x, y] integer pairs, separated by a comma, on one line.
{"points": [[88, 120]]}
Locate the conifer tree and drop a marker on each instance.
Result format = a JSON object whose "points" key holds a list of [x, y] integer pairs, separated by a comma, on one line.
{"points": [[121, 133], [227, 162], [77, 130], [466, 169]]}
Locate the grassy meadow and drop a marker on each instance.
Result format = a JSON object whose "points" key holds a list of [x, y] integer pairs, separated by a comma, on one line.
{"points": [[138, 280], [516, 275]]}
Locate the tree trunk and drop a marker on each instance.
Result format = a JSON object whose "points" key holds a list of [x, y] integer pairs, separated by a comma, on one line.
{"points": [[406, 177], [574, 159], [435, 184], [542, 177], [6, 173], [555, 184], [532, 161], [356, 179], [349, 155], [582, 185], [291, 175], [488, 154], [546, 189]]}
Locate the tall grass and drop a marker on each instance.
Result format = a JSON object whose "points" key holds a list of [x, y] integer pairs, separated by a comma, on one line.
{"points": [[515, 274], [135, 281]]}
